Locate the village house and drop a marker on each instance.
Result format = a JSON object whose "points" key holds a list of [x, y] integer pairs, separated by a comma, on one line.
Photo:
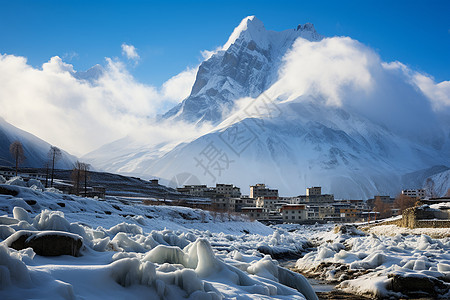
{"points": [[243, 201], [260, 190], [414, 193], [255, 213], [294, 213], [314, 195], [270, 204]]}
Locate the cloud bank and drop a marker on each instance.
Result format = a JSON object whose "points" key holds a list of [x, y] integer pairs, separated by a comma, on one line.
{"points": [[81, 115], [344, 73]]}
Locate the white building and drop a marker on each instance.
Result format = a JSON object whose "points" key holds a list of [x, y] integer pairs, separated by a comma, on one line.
{"points": [[260, 190], [414, 193]]}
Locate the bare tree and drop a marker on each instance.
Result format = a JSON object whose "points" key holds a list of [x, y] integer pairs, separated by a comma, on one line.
{"points": [[76, 177], [86, 168], [54, 154], [385, 209], [47, 166], [17, 152], [80, 177], [403, 202]]}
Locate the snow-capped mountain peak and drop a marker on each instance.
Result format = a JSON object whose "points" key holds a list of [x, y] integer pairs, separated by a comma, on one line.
{"points": [[246, 65], [250, 29]]}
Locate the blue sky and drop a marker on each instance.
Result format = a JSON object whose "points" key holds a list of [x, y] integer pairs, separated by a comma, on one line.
{"points": [[169, 36]]}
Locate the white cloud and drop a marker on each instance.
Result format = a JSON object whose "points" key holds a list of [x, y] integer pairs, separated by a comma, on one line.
{"points": [[129, 51], [80, 116], [437, 93], [342, 72], [179, 86], [327, 68]]}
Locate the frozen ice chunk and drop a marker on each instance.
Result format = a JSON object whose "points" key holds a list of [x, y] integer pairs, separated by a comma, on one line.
{"points": [[166, 254], [18, 181], [12, 268], [5, 231], [265, 268], [4, 220], [51, 220], [126, 271], [123, 242], [21, 214], [36, 183], [125, 227]]}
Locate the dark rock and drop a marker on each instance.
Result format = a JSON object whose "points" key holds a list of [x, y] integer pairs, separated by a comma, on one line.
{"points": [[61, 204], [412, 285], [6, 191], [46, 243], [31, 202], [116, 207], [340, 295], [279, 253]]}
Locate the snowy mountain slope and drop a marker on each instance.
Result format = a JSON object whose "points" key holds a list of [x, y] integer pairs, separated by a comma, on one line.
{"points": [[293, 109], [417, 179], [35, 149], [438, 184], [245, 66], [347, 155]]}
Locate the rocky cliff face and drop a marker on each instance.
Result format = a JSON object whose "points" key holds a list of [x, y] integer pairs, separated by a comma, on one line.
{"points": [[244, 67]]}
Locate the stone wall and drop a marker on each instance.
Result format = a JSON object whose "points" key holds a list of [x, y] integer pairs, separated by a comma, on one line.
{"points": [[432, 224], [417, 217]]}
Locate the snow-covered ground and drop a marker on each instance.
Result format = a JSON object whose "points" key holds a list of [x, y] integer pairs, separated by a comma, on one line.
{"points": [[137, 251], [393, 230], [167, 252], [389, 262]]}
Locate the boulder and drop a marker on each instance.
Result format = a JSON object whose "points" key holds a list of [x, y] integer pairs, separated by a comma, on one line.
{"points": [[46, 243], [415, 285]]}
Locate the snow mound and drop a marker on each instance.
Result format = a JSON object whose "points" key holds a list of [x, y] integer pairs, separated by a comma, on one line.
{"points": [[136, 250], [18, 181], [382, 266]]}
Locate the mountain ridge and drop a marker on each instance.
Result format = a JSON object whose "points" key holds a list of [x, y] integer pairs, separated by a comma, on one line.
{"points": [[35, 149], [313, 110]]}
